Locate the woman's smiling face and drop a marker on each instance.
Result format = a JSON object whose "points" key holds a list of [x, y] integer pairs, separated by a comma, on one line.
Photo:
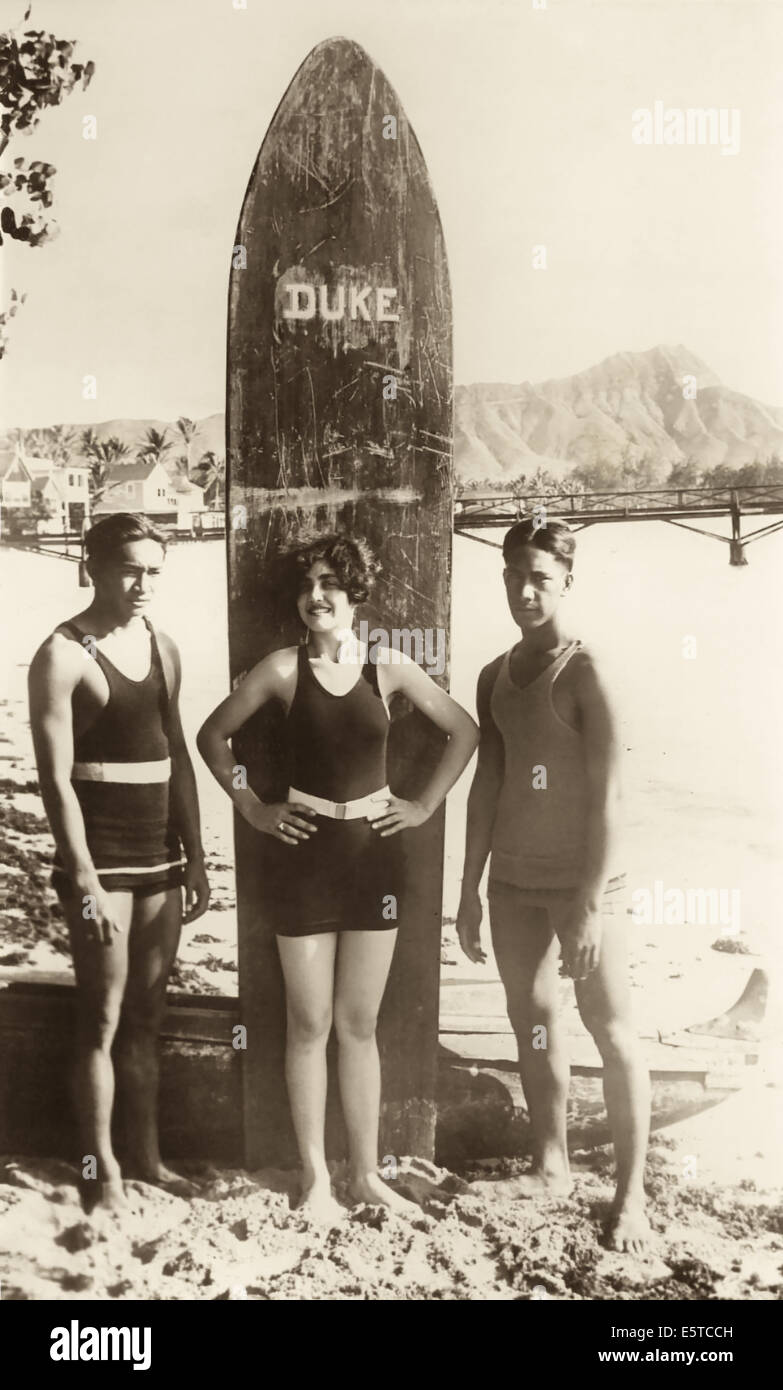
{"points": [[322, 605]]}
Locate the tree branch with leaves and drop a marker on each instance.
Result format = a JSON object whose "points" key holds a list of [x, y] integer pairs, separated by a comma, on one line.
{"points": [[37, 70]]}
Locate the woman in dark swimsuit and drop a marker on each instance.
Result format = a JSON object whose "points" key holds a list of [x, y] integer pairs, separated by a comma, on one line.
{"points": [[340, 860]]}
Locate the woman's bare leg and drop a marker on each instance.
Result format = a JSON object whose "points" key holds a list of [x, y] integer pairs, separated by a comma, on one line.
{"points": [[308, 969], [363, 961]]}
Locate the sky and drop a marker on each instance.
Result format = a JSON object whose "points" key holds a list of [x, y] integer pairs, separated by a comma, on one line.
{"points": [[524, 116]]}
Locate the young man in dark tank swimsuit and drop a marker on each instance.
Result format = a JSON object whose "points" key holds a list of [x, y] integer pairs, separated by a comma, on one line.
{"points": [[119, 791], [543, 806]]}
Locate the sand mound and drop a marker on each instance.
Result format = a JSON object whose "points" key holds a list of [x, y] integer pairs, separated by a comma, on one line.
{"points": [[239, 1239]]}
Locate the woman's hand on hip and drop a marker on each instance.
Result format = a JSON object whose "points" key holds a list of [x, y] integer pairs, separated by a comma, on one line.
{"points": [[395, 814], [287, 821]]}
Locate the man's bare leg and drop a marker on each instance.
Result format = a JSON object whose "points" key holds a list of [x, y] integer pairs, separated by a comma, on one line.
{"points": [[101, 973], [527, 951], [605, 1006], [152, 947]]}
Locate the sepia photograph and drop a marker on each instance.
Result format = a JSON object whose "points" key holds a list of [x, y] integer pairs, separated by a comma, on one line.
{"points": [[391, 549]]}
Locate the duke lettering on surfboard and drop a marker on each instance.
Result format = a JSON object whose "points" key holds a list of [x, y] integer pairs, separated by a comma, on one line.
{"points": [[367, 302]]}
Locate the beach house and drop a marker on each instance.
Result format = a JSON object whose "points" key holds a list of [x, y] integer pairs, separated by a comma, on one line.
{"points": [[15, 481], [64, 490], [61, 491], [190, 501], [139, 487]]}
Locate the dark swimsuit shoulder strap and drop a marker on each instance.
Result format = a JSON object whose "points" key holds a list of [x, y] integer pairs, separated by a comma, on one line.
{"points": [[156, 666], [94, 649], [155, 652], [302, 669], [370, 673]]}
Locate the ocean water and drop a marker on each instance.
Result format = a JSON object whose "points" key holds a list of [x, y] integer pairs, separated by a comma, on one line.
{"points": [[701, 735]]}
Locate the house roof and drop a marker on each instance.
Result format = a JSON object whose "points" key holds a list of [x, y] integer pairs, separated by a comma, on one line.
{"points": [[38, 468], [55, 479], [131, 472], [182, 484], [10, 460]]}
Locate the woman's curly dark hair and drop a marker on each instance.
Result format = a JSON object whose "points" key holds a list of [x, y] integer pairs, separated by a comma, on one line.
{"points": [[349, 556]]}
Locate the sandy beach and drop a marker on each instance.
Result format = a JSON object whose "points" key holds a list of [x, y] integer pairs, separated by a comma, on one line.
{"points": [[468, 1241], [703, 809]]}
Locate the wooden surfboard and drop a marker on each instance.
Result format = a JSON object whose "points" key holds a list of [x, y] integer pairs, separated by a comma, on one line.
{"points": [[339, 416]]}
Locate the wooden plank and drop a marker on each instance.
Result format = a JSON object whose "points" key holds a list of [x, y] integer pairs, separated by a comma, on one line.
{"points": [[29, 1007], [334, 209], [37, 1025], [489, 1043]]}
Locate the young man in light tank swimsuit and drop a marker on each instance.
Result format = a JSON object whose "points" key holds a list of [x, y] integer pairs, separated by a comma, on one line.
{"points": [[543, 806]]}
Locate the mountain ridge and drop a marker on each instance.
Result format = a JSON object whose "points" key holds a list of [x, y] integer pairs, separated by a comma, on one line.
{"points": [[630, 407]]}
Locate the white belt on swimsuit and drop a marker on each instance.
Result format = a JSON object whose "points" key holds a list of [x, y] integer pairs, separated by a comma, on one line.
{"points": [[342, 810], [139, 773]]}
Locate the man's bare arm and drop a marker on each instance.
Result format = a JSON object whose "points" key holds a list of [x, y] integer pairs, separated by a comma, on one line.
{"points": [[598, 725], [54, 675], [183, 779], [184, 795], [487, 781]]}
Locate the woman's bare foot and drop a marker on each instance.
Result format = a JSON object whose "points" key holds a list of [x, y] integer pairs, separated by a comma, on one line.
{"points": [[109, 1196], [317, 1202], [627, 1227], [161, 1176], [543, 1182], [539, 1182], [374, 1191]]}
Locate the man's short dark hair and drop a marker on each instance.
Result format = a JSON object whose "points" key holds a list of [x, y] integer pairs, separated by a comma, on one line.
{"points": [[553, 535], [103, 540]]}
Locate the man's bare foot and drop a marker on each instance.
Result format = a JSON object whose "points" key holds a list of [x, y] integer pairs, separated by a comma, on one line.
{"points": [[318, 1204], [539, 1182], [375, 1192], [627, 1227]]}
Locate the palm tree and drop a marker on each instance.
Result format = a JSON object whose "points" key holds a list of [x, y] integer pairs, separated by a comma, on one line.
{"points": [[89, 442], [211, 468], [104, 455], [153, 446], [62, 440], [113, 450], [34, 443], [214, 463], [187, 429]]}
